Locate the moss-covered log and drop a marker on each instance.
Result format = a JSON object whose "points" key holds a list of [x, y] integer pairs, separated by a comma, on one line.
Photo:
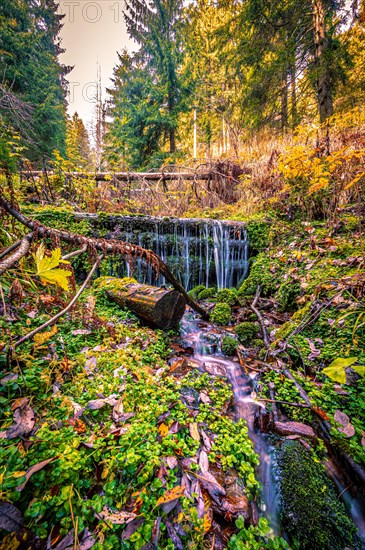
{"points": [[311, 513], [159, 307]]}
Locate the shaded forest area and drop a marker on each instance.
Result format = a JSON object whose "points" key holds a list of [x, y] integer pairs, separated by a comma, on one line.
{"points": [[145, 418]]}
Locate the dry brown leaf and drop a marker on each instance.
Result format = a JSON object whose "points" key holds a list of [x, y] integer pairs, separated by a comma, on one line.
{"points": [[194, 431], [346, 428], [117, 518], [23, 423], [33, 469], [118, 410]]}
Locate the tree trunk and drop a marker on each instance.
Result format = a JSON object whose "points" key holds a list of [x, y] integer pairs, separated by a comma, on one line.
{"points": [[158, 307], [293, 96], [323, 84], [284, 102]]}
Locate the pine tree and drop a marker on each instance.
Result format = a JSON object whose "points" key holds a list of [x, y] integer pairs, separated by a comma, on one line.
{"points": [[29, 49]]}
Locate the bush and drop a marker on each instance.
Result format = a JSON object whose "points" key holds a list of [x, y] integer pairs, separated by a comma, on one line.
{"points": [[246, 332], [227, 296], [207, 293], [229, 345], [221, 314]]}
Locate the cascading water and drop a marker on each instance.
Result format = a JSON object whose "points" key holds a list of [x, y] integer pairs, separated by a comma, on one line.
{"points": [[205, 342], [199, 252], [206, 353]]}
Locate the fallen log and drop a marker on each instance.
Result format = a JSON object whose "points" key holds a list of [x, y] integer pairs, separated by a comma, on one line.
{"points": [[294, 428], [158, 307]]}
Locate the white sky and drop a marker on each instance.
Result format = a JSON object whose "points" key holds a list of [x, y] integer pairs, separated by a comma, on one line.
{"points": [[93, 32]]}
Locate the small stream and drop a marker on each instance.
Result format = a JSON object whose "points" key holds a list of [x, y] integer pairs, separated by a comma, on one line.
{"points": [[201, 337], [204, 340]]}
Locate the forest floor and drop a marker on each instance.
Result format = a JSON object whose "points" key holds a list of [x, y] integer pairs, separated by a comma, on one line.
{"points": [[112, 438]]}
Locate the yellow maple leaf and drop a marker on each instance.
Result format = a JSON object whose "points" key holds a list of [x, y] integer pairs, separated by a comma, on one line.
{"points": [[47, 267]]}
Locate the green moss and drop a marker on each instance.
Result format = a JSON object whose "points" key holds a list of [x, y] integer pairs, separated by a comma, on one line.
{"points": [[194, 292], [246, 332], [289, 326], [227, 296], [113, 283], [229, 345], [221, 314], [311, 512], [207, 293], [265, 272], [258, 234], [287, 294]]}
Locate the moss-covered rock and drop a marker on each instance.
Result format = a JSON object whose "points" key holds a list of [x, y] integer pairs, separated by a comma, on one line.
{"points": [[194, 292], [207, 293], [287, 294], [246, 332], [221, 314], [229, 345], [265, 272], [311, 512], [227, 296]]}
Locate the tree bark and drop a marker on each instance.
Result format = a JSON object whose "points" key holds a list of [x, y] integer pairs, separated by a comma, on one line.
{"points": [[158, 307], [21, 251], [323, 84]]}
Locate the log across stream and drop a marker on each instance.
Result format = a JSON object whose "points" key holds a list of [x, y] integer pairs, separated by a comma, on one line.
{"points": [[205, 341]]}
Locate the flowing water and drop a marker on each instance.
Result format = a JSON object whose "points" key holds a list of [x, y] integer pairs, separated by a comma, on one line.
{"points": [[199, 252], [205, 343], [204, 339]]}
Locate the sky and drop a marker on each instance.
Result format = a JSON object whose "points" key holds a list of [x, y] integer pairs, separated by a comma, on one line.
{"points": [[92, 34]]}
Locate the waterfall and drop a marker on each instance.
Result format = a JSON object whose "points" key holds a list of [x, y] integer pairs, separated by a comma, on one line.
{"points": [[198, 251]]}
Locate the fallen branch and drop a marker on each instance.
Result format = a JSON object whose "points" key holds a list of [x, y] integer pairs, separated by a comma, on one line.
{"points": [[111, 246], [64, 311], [21, 251], [75, 253], [260, 318]]}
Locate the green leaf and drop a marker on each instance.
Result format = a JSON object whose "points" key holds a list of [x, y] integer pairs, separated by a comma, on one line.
{"points": [[336, 370], [360, 369]]}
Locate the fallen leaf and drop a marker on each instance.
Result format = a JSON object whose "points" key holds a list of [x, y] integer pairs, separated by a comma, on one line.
{"points": [[346, 428], [47, 267], [33, 469], [171, 461], [203, 462], [194, 431], [337, 369], [132, 527], [23, 423], [11, 519], [117, 518], [81, 331], [118, 410], [163, 430], [20, 402], [171, 494], [173, 535]]}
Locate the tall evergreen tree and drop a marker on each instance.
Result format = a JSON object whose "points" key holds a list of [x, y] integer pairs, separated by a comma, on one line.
{"points": [[29, 49], [155, 26]]}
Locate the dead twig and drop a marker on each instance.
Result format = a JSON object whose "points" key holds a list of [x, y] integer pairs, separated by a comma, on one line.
{"points": [[260, 318]]}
